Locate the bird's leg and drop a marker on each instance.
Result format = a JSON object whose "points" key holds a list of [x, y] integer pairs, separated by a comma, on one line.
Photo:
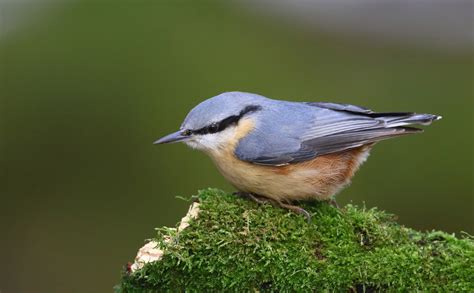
{"points": [[263, 200], [251, 196], [296, 209], [333, 202]]}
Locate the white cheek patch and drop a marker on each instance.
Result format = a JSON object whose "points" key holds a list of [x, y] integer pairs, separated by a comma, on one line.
{"points": [[192, 144], [212, 141]]}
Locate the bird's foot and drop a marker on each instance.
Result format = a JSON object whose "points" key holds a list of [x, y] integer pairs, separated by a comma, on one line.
{"points": [[297, 210], [264, 200], [251, 197], [333, 202]]}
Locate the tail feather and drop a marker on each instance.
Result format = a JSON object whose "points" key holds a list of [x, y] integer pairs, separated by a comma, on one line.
{"points": [[408, 119]]}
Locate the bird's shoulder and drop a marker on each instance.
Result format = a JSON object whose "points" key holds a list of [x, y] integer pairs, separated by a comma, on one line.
{"points": [[282, 129]]}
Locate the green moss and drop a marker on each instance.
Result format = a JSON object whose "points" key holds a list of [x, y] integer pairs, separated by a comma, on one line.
{"points": [[239, 245]]}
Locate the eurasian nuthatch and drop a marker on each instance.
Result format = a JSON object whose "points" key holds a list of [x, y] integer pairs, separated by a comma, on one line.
{"points": [[285, 151]]}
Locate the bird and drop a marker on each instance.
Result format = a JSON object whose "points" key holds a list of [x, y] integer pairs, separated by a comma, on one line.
{"points": [[283, 152]]}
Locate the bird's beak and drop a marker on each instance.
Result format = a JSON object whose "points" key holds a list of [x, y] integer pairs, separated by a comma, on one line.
{"points": [[172, 138]]}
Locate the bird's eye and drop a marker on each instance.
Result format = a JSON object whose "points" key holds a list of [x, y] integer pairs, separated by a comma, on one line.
{"points": [[214, 127], [187, 132]]}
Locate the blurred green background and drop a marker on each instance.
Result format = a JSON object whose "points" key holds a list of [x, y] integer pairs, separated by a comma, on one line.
{"points": [[86, 87]]}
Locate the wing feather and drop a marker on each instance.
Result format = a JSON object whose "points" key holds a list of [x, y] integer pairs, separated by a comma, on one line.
{"points": [[322, 128]]}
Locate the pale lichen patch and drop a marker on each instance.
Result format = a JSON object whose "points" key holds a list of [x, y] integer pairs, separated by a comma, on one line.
{"points": [[191, 214], [151, 251]]}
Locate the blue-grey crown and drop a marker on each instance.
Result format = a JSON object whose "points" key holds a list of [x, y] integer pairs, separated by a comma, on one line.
{"points": [[229, 105]]}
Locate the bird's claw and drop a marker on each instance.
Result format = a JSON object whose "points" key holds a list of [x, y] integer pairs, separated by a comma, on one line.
{"points": [[298, 210], [251, 196], [262, 200], [333, 202]]}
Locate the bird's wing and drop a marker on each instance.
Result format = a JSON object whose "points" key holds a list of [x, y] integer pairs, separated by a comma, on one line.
{"points": [[281, 137]]}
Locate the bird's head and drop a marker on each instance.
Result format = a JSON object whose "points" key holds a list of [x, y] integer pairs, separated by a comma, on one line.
{"points": [[212, 124]]}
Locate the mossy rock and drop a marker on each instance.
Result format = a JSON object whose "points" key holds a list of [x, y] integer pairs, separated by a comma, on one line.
{"points": [[238, 245]]}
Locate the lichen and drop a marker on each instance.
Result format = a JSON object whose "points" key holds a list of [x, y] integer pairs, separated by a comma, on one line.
{"points": [[238, 245]]}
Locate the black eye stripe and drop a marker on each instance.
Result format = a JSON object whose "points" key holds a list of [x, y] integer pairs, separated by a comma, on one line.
{"points": [[223, 124], [250, 108]]}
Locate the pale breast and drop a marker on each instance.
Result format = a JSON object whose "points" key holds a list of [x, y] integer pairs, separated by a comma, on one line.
{"points": [[319, 178]]}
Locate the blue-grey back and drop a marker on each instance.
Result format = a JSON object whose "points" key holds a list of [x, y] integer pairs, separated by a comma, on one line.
{"points": [[291, 132]]}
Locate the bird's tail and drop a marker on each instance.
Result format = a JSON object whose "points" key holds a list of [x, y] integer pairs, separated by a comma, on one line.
{"points": [[402, 119]]}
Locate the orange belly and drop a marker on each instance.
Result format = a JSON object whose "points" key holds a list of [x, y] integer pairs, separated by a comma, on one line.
{"points": [[318, 179]]}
